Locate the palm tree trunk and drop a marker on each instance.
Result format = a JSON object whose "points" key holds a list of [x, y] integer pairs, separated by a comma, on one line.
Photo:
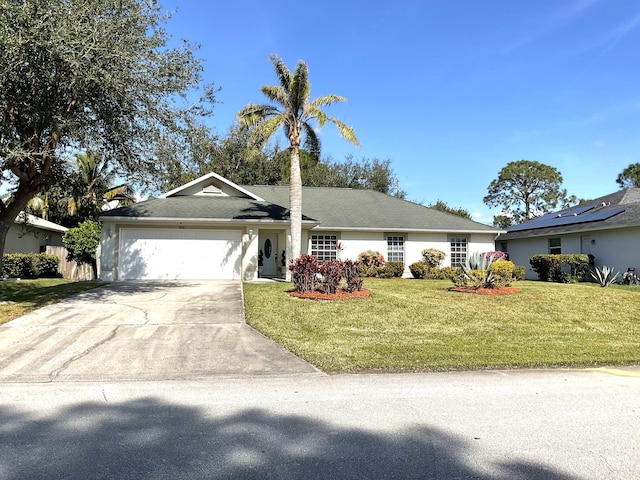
{"points": [[295, 202]]}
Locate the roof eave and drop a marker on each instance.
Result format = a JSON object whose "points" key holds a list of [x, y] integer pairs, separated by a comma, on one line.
{"points": [[402, 229], [197, 220]]}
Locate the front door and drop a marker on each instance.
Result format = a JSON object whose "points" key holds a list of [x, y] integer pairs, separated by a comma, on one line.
{"points": [[269, 249]]}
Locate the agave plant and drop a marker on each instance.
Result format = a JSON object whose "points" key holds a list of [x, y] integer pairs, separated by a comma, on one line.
{"points": [[476, 272], [605, 275]]}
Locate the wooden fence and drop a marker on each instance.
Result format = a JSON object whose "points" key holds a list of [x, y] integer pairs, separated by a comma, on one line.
{"points": [[70, 270]]}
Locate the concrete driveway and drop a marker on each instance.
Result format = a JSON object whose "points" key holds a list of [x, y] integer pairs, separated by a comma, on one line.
{"points": [[142, 331]]}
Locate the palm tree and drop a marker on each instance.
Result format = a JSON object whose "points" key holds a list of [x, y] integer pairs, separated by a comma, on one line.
{"points": [[296, 114], [93, 187]]}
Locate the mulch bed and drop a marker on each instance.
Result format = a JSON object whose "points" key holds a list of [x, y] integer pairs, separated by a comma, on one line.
{"points": [[488, 291], [339, 295]]}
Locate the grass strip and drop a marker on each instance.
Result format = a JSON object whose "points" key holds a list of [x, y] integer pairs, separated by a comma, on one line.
{"points": [[23, 296]]}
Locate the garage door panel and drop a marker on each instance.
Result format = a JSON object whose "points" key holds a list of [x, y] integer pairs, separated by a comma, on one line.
{"points": [[179, 254]]}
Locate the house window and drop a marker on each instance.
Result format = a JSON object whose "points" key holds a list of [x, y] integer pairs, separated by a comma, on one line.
{"points": [[458, 251], [323, 247], [395, 248], [555, 246]]}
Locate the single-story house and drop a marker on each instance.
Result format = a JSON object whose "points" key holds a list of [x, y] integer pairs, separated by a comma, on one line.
{"points": [[607, 228], [211, 228], [31, 234]]}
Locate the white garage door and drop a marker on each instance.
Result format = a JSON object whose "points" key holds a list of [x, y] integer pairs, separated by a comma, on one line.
{"points": [[169, 254]]}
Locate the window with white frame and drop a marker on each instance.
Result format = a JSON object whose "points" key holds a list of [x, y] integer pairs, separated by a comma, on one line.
{"points": [[555, 246], [395, 248], [458, 251], [324, 247]]}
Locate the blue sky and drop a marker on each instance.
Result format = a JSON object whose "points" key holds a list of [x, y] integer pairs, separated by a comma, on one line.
{"points": [[449, 90]]}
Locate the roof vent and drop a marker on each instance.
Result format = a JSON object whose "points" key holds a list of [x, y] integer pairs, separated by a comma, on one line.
{"points": [[211, 190]]}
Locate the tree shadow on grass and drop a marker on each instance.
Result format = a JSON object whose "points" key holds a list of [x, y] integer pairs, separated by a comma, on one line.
{"points": [[151, 439]]}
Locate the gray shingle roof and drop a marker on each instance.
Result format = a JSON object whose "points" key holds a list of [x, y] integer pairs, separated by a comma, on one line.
{"points": [[331, 208], [346, 208], [203, 208], [629, 199]]}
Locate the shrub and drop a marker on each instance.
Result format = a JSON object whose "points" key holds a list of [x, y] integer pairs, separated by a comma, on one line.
{"points": [[419, 270], [503, 271], [546, 266], [332, 272], [47, 265], [518, 272], [371, 263], [30, 265], [392, 270], [446, 273], [82, 243], [549, 266], [304, 271], [352, 275], [433, 257], [579, 264], [18, 265], [496, 255]]}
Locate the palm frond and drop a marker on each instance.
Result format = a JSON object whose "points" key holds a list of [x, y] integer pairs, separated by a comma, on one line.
{"points": [[300, 88], [282, 71], [327, 100], [252, 114], [311, 140], [277, 95], [347, 132], [313, 112], [123, 193], [264, 130]]}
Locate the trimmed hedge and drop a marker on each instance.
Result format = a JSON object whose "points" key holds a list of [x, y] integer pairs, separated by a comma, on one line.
{"points": [[421, 270], [391, 270], [503, 271], [549, 266], [30, 265]]}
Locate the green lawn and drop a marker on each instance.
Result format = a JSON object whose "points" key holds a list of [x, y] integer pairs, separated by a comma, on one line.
{"points": [[21, 297], [419, 325]]}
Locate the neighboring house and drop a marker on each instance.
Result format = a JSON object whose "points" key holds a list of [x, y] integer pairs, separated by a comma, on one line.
{"points": [[607, 228], [212, 228], [30, 234]]}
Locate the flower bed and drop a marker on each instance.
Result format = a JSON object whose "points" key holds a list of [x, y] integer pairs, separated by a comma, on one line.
{"points": [[339, 295]]}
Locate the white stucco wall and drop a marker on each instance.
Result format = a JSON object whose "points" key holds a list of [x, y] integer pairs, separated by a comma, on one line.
{"points": [[617, 248], [29, 239], [108, 246], [356, 242]]}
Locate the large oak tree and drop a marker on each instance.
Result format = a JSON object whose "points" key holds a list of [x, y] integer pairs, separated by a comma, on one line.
{"points": [[78, 74]]}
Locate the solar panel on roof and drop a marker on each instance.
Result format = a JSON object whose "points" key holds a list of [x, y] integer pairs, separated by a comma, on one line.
{"points": [[603, 214], [559, 219], [578, 210]]}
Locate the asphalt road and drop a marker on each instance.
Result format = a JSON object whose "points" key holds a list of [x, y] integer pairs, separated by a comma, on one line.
{"points": [[483, 425]]}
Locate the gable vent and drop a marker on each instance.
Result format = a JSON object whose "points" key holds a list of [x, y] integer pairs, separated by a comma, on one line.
{"points": [[211, 190]]}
